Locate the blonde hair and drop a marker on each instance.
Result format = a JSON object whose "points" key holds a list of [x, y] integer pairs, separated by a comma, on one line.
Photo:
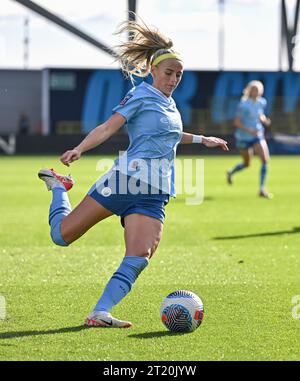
{"points": [[247, 89], [147, 43]]}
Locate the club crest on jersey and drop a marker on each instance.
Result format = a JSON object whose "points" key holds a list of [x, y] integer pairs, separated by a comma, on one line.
{"points": [[126, 99]]}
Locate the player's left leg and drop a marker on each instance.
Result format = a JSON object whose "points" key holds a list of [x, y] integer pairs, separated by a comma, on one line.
{"points": [[142, 236], [261, 149]]}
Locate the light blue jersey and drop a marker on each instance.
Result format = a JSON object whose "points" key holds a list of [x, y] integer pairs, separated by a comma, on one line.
{"points": [[249, 111], [154, 127]]}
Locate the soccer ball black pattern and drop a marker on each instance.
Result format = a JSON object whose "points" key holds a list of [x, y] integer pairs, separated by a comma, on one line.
{"points": [[182, 311]]}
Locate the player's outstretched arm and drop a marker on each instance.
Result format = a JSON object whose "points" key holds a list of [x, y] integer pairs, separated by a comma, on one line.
{"points": [[97, 136], [265, 120], [207, 141], [212, 141]]}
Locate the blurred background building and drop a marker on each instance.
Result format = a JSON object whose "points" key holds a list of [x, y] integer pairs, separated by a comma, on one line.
{"points": [[59, 76]]}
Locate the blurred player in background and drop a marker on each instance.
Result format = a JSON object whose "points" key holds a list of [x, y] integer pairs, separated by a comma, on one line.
{"points": [[249, 134], [155, 128]]}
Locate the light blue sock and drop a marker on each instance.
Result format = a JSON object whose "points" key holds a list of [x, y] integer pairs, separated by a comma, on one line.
{"points": [[263, 175], [237, 168], [59, 208], [121, 282]]}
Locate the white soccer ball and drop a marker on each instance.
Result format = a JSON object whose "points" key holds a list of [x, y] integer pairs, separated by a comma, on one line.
{"points": [[182, 311]]}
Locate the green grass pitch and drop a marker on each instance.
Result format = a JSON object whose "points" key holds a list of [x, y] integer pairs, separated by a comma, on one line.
{"points": [[238, 252]]}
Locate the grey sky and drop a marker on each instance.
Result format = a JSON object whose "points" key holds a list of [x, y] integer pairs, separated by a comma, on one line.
{"points": [[251, 32]]}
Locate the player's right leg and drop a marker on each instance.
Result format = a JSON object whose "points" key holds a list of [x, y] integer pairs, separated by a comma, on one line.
{"points": [[66, 224], [246, 155]]}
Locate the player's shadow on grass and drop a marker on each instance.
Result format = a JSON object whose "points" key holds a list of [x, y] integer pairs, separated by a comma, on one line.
{"points": [[147, 335], [13, 335], [151, 335], [266, 234]]}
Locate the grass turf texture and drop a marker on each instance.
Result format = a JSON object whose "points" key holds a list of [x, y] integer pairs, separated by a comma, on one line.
{"points": [[238, 252]]}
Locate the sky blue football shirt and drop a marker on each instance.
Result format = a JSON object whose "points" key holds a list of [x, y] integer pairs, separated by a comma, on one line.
{"points": [[249, 112], [154, 127]]}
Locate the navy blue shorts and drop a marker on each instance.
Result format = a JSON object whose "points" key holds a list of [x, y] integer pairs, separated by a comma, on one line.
{"points": [[246, 144], [122, 204]]}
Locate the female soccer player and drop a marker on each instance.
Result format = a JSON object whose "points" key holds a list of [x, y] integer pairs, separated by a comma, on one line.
{"points": [[140, 183], [249, 133]]}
